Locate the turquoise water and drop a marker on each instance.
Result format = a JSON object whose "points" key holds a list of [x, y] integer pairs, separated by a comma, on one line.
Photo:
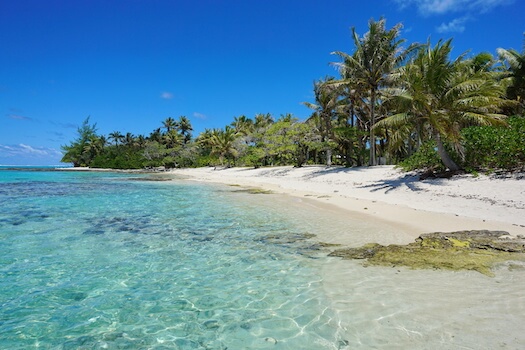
{"points": [[103, 261]]}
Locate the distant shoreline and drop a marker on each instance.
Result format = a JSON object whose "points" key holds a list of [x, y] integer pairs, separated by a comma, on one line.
{"points": [[380, 193]]}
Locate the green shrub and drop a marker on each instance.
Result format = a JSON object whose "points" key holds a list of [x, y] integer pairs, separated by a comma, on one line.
{"points": [[490, 147], [426, 157]]}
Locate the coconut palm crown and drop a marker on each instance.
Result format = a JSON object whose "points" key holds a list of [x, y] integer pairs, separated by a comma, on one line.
{"points": [[440, 97]]}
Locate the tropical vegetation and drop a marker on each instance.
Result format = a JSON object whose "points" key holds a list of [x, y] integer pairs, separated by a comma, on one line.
{"points": [[391, 103]]}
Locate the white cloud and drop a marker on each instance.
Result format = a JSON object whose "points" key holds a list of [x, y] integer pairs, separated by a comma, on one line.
{"points": [[457, 25], [199, 115], [22, 150], [30, 150], [18, 117], [438, 7], [166, 95]]}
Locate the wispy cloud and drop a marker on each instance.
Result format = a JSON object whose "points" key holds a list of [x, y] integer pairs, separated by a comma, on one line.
{"points": [[18, 117], [64, 125], [437, 7], [457, 25], [199, 115], [22, 150], [166, 95], [56, 136]]}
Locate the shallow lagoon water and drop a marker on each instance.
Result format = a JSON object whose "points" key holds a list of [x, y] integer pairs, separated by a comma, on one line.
{"points": [[95, 260]]}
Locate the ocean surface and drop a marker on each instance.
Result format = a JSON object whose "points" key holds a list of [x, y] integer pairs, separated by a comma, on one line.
{"points": [[113, 261], [103, 260]]}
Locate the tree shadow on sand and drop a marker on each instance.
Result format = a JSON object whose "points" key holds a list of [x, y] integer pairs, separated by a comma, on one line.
{"points": [[409, 180]]}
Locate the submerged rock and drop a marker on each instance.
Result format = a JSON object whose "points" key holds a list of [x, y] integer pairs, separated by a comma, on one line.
{"points": [[462, 250]]}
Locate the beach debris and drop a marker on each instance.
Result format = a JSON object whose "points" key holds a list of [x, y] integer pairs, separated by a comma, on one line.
{"points": [[474, 250]]}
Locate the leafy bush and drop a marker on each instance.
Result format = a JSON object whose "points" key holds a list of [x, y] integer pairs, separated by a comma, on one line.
{"points": [[489, 147], [426, 157]]}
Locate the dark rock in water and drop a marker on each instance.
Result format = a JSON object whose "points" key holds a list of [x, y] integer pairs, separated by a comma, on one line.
{"points": [[82, 342], [462, 250], [131, 225], [76, 296], [93, 232], [212, 324]]}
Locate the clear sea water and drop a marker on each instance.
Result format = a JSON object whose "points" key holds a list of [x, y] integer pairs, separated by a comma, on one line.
{"points": [[101, 260], [105, 261]]}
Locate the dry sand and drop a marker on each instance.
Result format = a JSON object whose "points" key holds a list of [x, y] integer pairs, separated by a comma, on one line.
{"points": [[387, 194]]}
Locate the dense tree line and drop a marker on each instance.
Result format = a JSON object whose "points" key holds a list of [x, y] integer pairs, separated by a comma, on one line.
{"points": [[392, 104]]}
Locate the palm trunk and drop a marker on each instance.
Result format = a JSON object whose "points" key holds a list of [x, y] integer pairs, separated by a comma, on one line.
{"points": [[348, 154], [361, 140], [443, 154], [372, 122]]}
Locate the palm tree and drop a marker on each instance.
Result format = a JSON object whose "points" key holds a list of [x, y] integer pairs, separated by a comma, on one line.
{"points": [[515, 66], [172, 138], [141, 141], [184, 126], [116, 136], [376, 55], [242, 125], [169, 123], [93, 147], [263, 120], [222, 142], [204, 138], [327, 100], [155, 135], [443, 97], [352, 113], [129, 140]]}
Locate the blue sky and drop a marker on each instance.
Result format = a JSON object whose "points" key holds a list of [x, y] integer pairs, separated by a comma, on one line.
{"points": [[131, 64]]}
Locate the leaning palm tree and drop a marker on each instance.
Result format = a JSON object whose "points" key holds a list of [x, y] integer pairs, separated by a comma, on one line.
{"points": [[376, 55], [443, 97]]}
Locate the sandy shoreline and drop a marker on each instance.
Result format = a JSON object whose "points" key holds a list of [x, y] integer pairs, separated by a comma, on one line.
{"points": [[386, 194]]}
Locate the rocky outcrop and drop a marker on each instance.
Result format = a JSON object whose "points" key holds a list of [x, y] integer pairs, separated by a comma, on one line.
{"points": [[462, 250]]}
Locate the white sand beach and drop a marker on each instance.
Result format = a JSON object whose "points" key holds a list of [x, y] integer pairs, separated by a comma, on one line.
{"points": [[384, 193]]}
